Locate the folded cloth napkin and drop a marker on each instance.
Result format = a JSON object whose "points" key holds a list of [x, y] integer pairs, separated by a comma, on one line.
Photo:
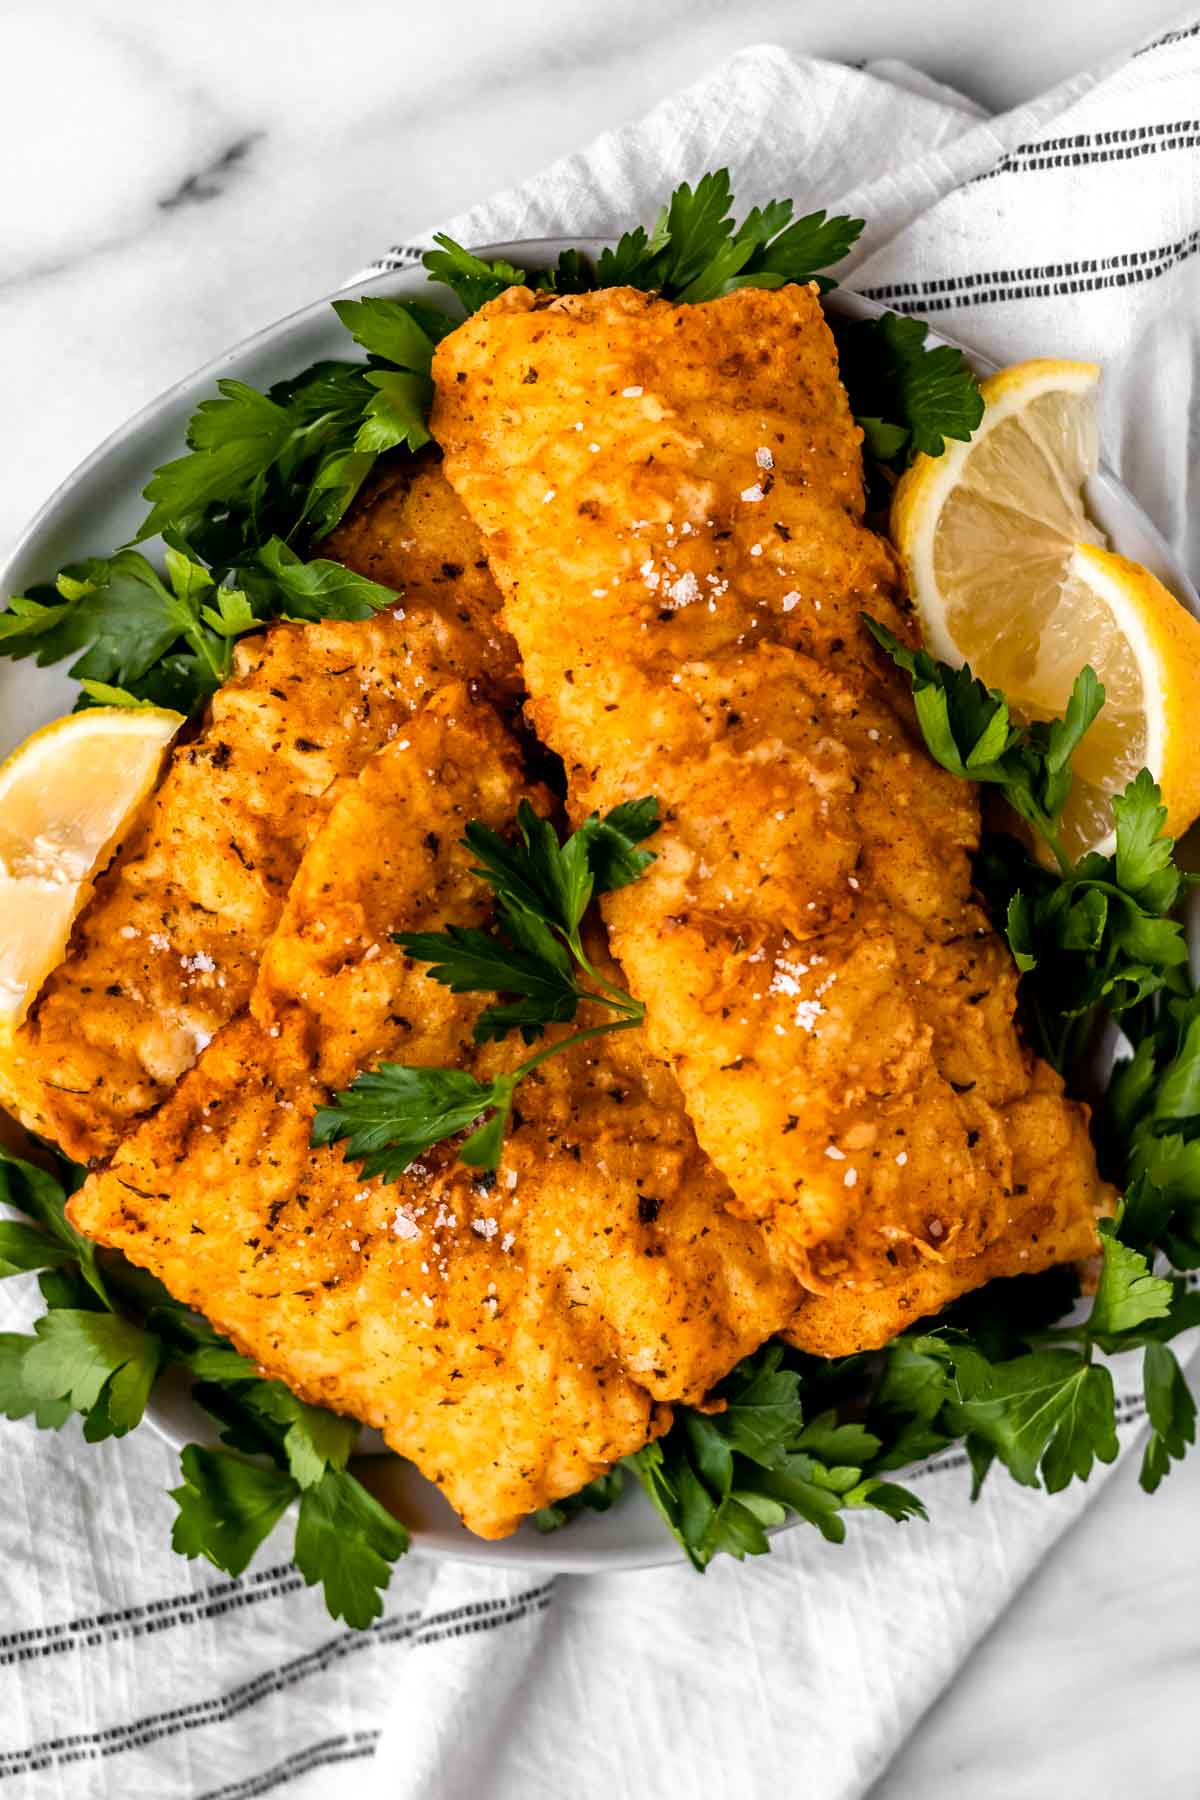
{"points": [[1070, 226]]}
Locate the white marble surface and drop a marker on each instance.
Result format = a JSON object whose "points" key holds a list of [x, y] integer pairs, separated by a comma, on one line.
{"points": [[173, 178]]}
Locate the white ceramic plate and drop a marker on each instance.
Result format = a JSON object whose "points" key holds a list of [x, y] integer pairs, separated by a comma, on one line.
{"points": [[100, 507]]}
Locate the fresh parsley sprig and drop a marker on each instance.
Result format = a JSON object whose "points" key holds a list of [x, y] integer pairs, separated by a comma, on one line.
{"points": [[722, 1479], [907, 398], [262, 472], [141, 638], [288, 462], [969, 729], [108, 1333], [534, 952], [693, 252]]}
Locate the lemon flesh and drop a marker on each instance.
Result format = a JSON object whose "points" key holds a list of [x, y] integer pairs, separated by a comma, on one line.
{"points": [[1009, 574], [67, 795]]}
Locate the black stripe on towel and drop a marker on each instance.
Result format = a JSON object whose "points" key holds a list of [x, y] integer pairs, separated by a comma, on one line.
{"points": [[989, 287], [1168, 37], [349, 1747], [1087, 147], [479, 1615], [151, 1617]]}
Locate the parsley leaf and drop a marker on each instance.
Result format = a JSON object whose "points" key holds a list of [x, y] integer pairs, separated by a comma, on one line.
{"points": [[1172, 1413], [391, 1115], [468, 961], [311, 590], [316, 1441], [1051, 1411], [393, 331], [309, 1439], [233, 441], [227, 1506], [1177, 1096], [23, 1249], [695, 224], [907, 398], [696, 253], [260, 465], [269, 465], [125, 618], [396, 412], [1144, 864], [43, 1197], [19, 1398], [611, 843], [102, 1365], [118, 612], [533, 873], [536, 874], [969, 730], [150, 639], [1128, 1294], [347, 1541], [471, 281]]}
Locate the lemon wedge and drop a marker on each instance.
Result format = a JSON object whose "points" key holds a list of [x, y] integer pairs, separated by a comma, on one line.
{"points": [[1009, 575], [66, 796]]}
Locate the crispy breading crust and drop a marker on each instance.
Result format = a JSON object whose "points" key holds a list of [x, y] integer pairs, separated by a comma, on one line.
{"points": [[512, 1337], [671, 499], [410, 531]]}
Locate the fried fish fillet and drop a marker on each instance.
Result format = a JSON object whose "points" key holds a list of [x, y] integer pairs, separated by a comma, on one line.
{"points": [[513, 1336], [167, 950], [671, 498]]}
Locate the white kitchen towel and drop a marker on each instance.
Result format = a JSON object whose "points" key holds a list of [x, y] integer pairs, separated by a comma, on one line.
{"points": [[1070, 226]]}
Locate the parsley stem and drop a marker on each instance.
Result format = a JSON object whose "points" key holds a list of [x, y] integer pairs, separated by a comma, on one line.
{"points": [[578, 1037], [616, 998], [577, 951], [200, 639], [1064, 862], [1050, 834]]}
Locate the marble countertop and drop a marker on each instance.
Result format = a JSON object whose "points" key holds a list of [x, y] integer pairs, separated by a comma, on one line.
{"points": [[174, 178]]}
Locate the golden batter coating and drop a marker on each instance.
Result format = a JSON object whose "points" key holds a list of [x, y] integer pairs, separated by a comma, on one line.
{"points": [[409, 530], [513, 1335], [1054, 1228], [671, 500], [167, 949]]}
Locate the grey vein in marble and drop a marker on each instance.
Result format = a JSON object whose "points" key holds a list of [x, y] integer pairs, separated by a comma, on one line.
{"points": [[210, 182]]}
